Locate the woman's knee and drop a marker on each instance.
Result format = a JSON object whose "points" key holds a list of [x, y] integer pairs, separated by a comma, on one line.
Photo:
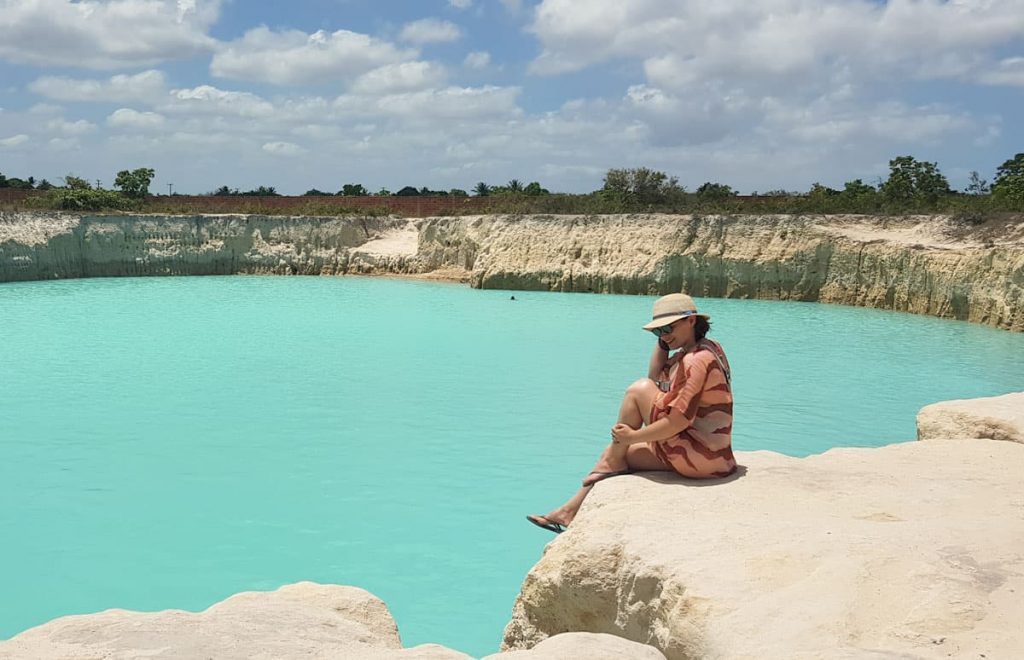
{"points": [[645, 387], [643, 392]]}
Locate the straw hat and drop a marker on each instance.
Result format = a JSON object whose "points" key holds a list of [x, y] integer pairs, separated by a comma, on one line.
{"points": [[669, 309]]}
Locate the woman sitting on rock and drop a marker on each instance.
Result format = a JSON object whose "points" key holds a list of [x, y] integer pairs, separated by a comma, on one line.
{"points": [[678, 418]]}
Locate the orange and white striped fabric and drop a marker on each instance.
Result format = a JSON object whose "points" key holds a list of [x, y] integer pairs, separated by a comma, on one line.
{"points": [[701, 391]]}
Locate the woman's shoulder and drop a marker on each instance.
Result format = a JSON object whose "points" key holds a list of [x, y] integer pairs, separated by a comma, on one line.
{"points": [[699, 354], [710, 345]]}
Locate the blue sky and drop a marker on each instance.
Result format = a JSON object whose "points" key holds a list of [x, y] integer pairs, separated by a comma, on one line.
{"points": [[446, 93]]}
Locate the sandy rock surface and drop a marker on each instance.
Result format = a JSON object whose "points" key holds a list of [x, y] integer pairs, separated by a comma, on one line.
{"points": [[996, 418], [913, 550], [584, 646], [302, 620]]}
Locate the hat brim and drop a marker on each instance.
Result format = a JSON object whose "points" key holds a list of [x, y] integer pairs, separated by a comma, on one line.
{"points": [[668, 320]]}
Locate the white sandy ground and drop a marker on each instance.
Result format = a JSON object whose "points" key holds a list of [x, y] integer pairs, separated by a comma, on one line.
{"points": [[929, 231], [397, 242]]}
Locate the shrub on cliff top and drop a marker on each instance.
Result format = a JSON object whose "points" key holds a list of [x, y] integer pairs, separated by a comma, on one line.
{"points": [[1009, 184], [79, 199], [914, 182], [641, 186], [135, 183]]}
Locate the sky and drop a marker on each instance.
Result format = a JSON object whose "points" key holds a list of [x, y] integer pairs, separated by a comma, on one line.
{"points": [[766, 95]]}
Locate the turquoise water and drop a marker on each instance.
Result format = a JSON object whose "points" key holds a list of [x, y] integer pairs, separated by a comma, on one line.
{"points": [[165, 443]]}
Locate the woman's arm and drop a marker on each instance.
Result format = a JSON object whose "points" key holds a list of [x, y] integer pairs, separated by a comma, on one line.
{"points": [[658, 359], [682, 409], [663, 429]]}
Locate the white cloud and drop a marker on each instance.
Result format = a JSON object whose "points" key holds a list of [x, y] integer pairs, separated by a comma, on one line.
{"points": [[45, 109], [403, 77], [1007, 72], [690, 119], [775, 94], [13, 141], [293, 57], [825, 122], [990, 136], [64, 144], [448, 103], [64, 127], [99, 34], [687, 41], [477, 60], [283, 149], [207, 99], [133, 119], [512, 5], [193, 147], [146, 86], [776, 81], [430, 31]]}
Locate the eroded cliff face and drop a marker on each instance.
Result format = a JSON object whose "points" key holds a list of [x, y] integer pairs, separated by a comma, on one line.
{"points": [[925, 265], [52, 246]]}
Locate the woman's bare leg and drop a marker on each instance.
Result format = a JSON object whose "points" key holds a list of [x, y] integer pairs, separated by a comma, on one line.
{"points": [[634, 411]]}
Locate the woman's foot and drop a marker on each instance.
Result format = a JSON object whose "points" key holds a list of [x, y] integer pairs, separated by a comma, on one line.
{"points": [[608, 466], [598, 475], [555, 521]]}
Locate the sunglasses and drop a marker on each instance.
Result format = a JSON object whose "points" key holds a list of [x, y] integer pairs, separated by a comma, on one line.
{"points": [[663, 330], [666, 329]]}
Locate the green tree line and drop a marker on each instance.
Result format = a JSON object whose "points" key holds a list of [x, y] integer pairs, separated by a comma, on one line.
{"points": [[911, 186]]}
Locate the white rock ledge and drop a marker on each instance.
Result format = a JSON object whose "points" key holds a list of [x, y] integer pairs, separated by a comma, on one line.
{"points": [[996, 418], [913, 550], [304, 620]]}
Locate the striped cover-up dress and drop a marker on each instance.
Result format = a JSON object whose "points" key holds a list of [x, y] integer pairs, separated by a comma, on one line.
{"points": [[700, 389]]}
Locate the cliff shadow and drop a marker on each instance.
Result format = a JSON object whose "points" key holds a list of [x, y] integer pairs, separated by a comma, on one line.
{"points": [[665, 477]]}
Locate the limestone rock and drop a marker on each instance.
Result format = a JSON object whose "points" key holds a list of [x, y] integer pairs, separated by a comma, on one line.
{"points": [[301, 620], [584, 646], [925, 265], [41, 246], [997, 418], [921, 264], [910, 550]]}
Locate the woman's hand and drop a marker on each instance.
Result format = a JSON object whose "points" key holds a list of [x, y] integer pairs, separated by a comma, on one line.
{"points": [[622, 434]]}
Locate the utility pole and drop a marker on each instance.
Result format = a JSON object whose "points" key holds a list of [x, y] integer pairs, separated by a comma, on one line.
{"points": [[97, 184], [170, 189]]}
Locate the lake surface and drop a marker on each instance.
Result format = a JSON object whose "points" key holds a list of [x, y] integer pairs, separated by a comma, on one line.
{"points": [[168, 442]]}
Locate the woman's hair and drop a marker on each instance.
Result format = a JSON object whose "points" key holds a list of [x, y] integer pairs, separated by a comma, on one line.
{"points": [[700, 328]]}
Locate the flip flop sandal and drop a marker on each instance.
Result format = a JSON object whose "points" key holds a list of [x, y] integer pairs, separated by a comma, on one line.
{"points": [[550, 525]]}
